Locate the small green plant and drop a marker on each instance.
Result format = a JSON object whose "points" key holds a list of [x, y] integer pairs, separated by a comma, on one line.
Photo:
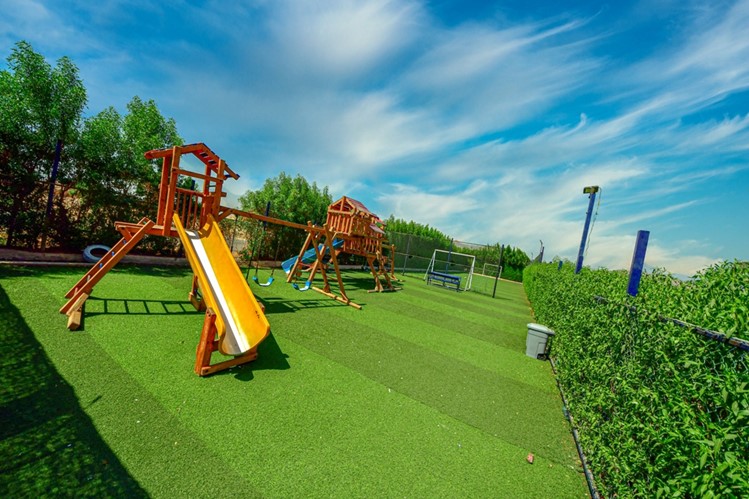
{"points": [[662, 411]]}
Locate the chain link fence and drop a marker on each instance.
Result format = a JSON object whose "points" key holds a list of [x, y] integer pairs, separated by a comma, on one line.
{"points": [[413, 254]]}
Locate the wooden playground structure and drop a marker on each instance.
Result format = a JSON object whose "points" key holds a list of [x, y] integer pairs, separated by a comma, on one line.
{"points": [[193, 214]]}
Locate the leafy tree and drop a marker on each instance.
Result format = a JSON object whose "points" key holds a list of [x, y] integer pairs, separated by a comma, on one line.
{"points": [[39, 105], [292, 199], [102, 177], [144, 128], [416, 229], [104, 181], [113, 181]]}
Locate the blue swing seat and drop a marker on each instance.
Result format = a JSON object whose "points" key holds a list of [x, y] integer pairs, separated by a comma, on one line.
{"points": [[257, 281], [305, 288]]}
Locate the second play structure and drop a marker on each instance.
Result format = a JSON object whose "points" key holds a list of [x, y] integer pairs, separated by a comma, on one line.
{"points": [[356, 231], [349, 228], [234, 322]]}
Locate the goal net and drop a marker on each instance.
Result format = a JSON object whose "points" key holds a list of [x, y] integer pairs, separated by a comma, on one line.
{"points": [[491, 270], [454, 264]]}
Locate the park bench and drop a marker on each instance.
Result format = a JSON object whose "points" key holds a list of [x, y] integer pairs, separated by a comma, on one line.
{"points": [[447, 280]]}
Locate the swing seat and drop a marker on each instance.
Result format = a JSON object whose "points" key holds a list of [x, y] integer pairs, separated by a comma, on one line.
{"points": [[305, 288], [257, 281]]}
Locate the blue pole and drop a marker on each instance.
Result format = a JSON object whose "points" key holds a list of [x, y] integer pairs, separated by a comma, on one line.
{"points": [[267, 210], [638, 260], [591, 191]]}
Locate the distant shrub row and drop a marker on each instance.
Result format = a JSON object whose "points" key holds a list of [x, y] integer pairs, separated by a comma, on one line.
{"points": [[661, 411]]}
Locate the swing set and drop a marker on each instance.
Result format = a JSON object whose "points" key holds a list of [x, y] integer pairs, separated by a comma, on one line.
{"points": [[257, 261]]}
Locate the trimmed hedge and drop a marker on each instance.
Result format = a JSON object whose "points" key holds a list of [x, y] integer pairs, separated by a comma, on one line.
{"points": [[661, 411]]}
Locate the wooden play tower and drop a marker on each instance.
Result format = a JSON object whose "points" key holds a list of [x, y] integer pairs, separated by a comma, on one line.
{"points": [[192, 206], [196, 210], [362, 234]]}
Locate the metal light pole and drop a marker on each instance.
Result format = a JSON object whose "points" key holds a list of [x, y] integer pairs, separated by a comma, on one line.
{"points": [[591, 191], [638, 262]]}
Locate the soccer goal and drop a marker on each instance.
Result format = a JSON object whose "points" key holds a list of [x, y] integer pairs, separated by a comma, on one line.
{"points": [[449, 267], [491, 270]]}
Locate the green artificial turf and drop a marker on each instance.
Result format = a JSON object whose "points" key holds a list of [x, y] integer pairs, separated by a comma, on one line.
{"points": [[425, 392]]}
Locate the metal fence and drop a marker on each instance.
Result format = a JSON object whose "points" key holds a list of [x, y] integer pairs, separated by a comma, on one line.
{"points": [[413, 254]]}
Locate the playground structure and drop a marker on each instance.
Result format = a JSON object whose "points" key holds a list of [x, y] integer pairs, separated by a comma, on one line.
{"points": [[356, 231], [349, 228], [234, 323]]}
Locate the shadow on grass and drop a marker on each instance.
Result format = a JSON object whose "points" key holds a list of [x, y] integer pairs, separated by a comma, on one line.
{"points": [[269, 357], [48, 444], [285, 305], [121, 306]]}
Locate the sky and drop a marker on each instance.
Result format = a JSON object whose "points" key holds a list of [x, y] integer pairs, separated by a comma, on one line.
{"points": [[482, 119]]}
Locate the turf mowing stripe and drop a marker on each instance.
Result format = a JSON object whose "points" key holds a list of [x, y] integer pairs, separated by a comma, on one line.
{"points": [[507, 296], [514, 412], [480, 305], [508, 362], [442, 317], [470, 302], [149, 442]]}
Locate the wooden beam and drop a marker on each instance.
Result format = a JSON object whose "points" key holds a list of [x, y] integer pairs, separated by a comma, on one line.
{"points": [[171, 193], [208, 344], [276, 221], [337, 298]]}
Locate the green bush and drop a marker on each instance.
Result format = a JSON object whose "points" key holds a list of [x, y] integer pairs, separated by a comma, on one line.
{"points": [[661, 410]]}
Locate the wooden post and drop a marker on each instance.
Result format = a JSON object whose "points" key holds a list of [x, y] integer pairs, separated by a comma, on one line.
{"points": [[163, 191], [370, 262], [195, 299], [171, 194], [293, 273], [208, 344], [329, 238]]}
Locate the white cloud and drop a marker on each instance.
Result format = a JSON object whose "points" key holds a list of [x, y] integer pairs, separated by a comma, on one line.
{"points": [[487, 131]]}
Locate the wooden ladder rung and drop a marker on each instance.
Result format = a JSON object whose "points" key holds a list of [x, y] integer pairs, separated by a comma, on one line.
{"points": [[100, 268]]}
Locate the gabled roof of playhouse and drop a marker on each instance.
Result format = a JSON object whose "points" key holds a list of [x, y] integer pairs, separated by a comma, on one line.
{"points": [[200, 151], [351, 203], [347, 203]]}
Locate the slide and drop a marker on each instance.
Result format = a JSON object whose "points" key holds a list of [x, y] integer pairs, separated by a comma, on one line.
{"points": [[309, 256], [240, 320]]}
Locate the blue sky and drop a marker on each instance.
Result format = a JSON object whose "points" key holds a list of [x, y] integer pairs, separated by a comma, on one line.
{"points": [[483, 119]]}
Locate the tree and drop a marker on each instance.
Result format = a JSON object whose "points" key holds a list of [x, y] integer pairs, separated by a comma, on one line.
{"points": [[113, 180], [292, 199], [104, 182], [144, 128], [39, 105]]}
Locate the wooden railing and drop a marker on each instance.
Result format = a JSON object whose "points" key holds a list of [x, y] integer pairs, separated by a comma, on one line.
{"points": [[189, 204]]}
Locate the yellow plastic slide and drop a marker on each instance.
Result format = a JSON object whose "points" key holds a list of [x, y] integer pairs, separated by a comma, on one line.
{"points": [[240, 321]]}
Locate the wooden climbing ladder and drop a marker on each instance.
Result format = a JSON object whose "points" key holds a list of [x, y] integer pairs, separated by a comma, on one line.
{"points": [[78, 294]]}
